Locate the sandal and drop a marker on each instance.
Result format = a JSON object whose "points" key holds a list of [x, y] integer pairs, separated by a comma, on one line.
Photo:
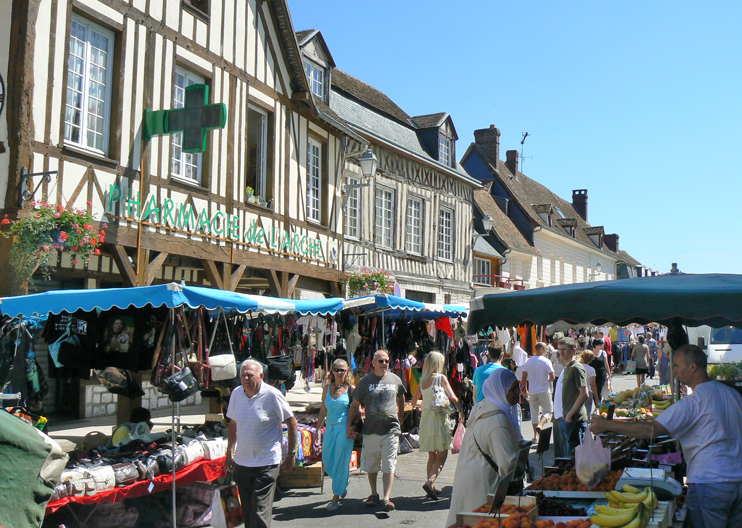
{"points": [[430, 491], [372, 500], [345, 493], [332, 506], [388, 506]]}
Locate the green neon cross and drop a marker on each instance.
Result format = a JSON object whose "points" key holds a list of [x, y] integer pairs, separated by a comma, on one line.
{"points": [[193, 120]]}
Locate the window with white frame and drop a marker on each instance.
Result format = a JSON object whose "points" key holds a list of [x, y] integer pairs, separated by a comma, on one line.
{"points": [[482, 271], [257, 179], [445, 234], [316, 77], [352, 207], [384, 217], [314, 180], [87, 116], [413, 240], [444, 150], [183, 164]]}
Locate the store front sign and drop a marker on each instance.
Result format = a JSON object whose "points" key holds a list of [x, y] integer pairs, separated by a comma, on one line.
{"points": [[185, 217]]}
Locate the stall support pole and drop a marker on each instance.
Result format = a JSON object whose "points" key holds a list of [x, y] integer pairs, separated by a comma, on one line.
{"points": [[174, 453]]}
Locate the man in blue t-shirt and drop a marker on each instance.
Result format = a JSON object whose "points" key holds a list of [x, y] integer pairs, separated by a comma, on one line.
{"points": [[494, 352]]}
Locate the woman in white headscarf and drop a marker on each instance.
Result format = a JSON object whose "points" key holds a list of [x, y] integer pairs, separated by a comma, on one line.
{"points": [[492, 430]]}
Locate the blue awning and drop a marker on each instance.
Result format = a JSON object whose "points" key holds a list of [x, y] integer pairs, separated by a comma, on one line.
{"points": [[329, 306], [168, 295], [394, 306]]}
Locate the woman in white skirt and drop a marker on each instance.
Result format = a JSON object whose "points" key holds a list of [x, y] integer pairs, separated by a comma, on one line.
{"points": [[435, 434]]}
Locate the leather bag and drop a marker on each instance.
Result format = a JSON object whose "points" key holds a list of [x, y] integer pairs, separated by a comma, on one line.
{"points": [[181, 385], [104, 478], [214, 448], [280, 367], [194, 452], [223, 367], [125, 473]]}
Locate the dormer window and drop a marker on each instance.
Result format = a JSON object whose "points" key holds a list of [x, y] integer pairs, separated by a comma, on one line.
{"points": [[597, 240], [595, 234], [316, 77], [546, 217], [570, 230], [444, 151]]}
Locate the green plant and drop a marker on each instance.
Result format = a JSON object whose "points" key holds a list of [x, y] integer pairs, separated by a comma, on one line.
{"points": [[51, 228], [250, 191], [366, 282], [729, 371]]}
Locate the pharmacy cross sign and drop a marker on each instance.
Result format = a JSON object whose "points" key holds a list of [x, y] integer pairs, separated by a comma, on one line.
{"points": [[193, 120]]}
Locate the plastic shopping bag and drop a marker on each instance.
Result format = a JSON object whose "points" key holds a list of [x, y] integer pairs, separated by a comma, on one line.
{"points": [[218, 518], [458, 439], [592, 460]]}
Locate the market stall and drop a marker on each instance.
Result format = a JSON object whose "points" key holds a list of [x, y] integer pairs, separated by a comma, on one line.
{"points": [[671, 300], [187, 329]]}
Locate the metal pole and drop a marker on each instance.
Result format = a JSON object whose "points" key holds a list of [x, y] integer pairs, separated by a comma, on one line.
{"points": [[174, 451]]}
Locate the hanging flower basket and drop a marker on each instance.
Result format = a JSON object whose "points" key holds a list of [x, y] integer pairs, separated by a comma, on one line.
{"points": [[51, 228], [366, 281]]}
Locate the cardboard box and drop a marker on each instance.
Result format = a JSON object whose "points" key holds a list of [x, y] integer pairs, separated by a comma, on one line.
{"points": [[310, 476]]}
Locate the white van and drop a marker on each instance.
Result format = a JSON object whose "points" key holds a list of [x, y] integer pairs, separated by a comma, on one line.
{"points": [[722, 345]]}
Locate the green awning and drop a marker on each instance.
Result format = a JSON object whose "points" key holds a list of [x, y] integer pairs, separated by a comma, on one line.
{"points": [[713, 299]]}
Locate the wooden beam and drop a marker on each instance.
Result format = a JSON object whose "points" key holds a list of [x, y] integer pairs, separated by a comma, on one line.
{"points": [[212, 274], [236, 276], [335, 289], [292, 285], [275, 283], [155, 266], [119, 255]]}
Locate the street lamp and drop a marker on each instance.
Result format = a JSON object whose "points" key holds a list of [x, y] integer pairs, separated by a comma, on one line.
{"points": [[368, 163], [487, 223], [598, 270]]}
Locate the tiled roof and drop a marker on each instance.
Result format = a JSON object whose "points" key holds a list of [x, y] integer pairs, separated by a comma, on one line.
{"points": [[526, 192], [503, 226], [304, 35], [429, 120], [631, 261], [367, 94]]}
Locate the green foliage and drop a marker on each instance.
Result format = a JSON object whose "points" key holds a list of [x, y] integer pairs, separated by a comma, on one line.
{"points": [[249, 191], [361, 282], [51, 228], [729, 371]]}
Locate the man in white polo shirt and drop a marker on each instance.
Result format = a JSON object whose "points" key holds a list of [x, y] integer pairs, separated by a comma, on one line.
{"points": [[256, 411], [538, 374]]}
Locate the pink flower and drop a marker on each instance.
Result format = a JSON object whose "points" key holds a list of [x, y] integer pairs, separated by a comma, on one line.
{"points": [[96, 251], [57, 215], [74, 261], [90, 204], [5, 221], [45, 247], [105, 225]]}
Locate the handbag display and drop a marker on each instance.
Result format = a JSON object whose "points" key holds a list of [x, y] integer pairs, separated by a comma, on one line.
{"points": [[223, 367], [193, 452], [180, 385], [125, 473], [103, 477], [280, 367], [165, 460], [214, 448]]}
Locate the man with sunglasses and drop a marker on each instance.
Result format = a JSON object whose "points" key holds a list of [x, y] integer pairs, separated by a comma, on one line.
{"points": [[382, 395]]}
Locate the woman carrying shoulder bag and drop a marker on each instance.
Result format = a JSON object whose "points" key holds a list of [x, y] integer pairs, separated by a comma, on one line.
{"points": [[337, 448], [435, 436]]}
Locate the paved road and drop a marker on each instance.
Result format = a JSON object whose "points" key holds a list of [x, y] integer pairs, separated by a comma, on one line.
{"points": [[299, 508]]}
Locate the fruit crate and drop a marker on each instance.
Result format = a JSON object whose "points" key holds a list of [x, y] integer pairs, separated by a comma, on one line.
{"points": [[471, 518]]}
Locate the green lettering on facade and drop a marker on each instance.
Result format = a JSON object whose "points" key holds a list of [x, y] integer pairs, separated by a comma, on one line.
{"points": [[217, 221], [151, 208], [167, 212]]}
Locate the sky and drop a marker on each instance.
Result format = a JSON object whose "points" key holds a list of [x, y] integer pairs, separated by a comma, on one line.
{"points": [[637, 102]]}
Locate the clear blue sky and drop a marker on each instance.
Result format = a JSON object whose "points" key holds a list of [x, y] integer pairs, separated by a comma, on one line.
{"points": [[638, 102]]}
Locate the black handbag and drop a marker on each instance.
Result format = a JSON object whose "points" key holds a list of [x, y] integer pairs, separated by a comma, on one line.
{"points": [[165, 460], [181, 385], [280, 367]]}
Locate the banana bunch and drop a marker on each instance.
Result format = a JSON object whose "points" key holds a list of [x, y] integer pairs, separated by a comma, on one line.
{"points": [[631, 508], [660, 405]]}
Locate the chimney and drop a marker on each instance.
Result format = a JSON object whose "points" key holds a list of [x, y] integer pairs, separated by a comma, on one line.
{"points": [[579, 202], [512, 161], [611, 241], [488, 139]]}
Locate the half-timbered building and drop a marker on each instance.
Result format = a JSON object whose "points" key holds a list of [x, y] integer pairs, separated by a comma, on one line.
{"points": [[109, 107], [413, 218]]}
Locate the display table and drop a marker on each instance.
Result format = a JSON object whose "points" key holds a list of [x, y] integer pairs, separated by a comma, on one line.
{"points": [[201, 471]]}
